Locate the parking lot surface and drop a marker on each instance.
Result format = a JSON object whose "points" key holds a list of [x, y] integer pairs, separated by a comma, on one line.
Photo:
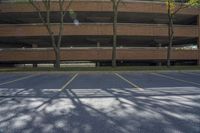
{"points": [[100, 102]]}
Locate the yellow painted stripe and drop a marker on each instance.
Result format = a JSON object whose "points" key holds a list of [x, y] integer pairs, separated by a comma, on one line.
{"points": [[129, 82], [66, 84], [181, 80], [18, 79]]}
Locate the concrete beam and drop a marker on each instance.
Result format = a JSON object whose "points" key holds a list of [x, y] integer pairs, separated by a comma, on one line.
{"points": [[95, 54], [160, 30], [101, 6]]}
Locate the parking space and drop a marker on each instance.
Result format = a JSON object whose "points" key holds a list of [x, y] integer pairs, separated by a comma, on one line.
{"points": [[5, 77], [190, 77], [41, 81], [98, 80], [34, 85], [101, 80], [100, 102], [152, 80], [195, 73]]}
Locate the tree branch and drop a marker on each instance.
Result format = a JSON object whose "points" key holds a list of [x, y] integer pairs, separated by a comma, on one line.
{"points": [[47, 22], [61, 23], [67, 7], [182, 6], [38, 10], [118, 1]]}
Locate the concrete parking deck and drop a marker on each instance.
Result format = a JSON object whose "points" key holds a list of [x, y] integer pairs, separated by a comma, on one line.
{"points": [[100, 102]]}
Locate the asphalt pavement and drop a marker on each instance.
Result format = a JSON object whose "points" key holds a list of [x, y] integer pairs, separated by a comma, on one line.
{"points": [[100, 102]]}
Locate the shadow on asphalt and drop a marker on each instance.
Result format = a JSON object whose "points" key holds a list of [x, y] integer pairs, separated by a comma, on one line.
{"points": [[105, 110]]}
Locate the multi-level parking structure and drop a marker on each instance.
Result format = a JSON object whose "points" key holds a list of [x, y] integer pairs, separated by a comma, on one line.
{"points": [[142, 33]]}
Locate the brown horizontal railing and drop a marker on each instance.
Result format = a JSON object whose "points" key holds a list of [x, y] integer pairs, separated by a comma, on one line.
{"points": [[100, 6], [95, 54], [128, 29]]}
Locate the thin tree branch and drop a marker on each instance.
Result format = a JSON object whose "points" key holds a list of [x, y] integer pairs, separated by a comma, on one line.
{"points": [[182, 6], [48, 23], [67, 7], [62, 14], [118, 1], [61, 23], [38, 10], [45, 23]]}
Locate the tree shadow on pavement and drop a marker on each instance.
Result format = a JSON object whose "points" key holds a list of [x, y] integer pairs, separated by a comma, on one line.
{"points": [[102, 110]]}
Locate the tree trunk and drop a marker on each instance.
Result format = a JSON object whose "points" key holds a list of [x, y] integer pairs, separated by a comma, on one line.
{"points": [[169, 47], [47, 23], [170, 37], [115, 12], [57, 56]]}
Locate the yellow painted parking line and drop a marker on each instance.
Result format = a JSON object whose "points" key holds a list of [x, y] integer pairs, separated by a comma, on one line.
{"points": [[68, 82], [18, 79], [181, 80], [129, 82]]}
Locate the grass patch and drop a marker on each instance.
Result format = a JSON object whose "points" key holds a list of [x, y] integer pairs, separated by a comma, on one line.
{"points": [[131, 68]]}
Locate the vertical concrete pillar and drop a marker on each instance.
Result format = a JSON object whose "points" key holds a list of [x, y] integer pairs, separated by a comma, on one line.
{"points": [[97, 62], [159, 62], [34, 46]]}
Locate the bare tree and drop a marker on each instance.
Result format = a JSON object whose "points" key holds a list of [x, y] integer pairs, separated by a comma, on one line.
{"points": [[172, 9], [115, 4], [45, 17]]}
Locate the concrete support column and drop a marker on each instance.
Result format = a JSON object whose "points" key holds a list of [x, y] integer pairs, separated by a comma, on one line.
{"points": [[159, 62], [98, 63], [34, 46], [35, 65]]}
